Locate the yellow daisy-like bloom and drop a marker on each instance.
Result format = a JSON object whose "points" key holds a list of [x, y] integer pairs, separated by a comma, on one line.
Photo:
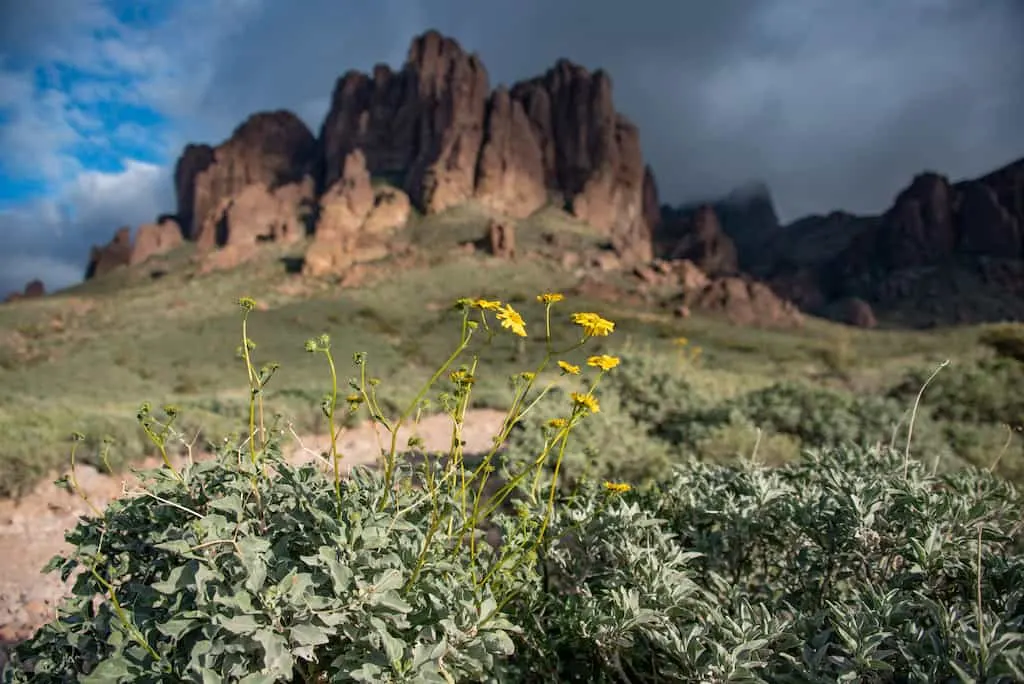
{"points": [[593, 325], [511, 319], [617, 487], [681, 341], [604, 362], [569, 368], [487, 304], [587, 401], [558, 423], [550, 297]]}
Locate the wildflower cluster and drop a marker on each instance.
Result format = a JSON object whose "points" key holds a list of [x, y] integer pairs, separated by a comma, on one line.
{"points": [[252, 567]]}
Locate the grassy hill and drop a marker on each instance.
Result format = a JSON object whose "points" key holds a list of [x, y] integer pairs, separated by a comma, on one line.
{"points": [[84, 359], [751, 524]]}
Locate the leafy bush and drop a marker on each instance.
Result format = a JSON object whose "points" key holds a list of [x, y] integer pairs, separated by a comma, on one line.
{"points": [[1005, 339], [988, 391], [817, 417], [653, 389], [852, 564]]}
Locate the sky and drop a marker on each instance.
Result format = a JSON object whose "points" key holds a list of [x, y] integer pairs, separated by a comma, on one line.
{"points": [[834, 105]]}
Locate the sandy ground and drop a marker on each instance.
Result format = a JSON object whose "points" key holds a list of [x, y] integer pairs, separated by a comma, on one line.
{"points": [[32, 529]]}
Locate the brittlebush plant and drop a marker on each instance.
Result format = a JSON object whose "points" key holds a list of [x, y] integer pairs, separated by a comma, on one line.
{"points": [[846, 564], [246, 569]]}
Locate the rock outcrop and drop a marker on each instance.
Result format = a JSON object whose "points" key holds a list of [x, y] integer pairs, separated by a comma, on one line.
{"points": [[259, 213], [943, 253], [435, 130], [432, 135], [116, 253], [152, 239], [745, 301], [695, 234], [270, 148], [32, 290], [501, 239], [439, 137], [686, 287], [355, 220]]}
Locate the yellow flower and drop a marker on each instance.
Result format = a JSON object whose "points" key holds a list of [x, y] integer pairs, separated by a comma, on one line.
{"points": [[593, 325], [681, 341], [550, 297], [461, 377], [587, 401], [604, 362], [487, 304], [569, 368], [511, 319], [617, 487], [558, 423]]}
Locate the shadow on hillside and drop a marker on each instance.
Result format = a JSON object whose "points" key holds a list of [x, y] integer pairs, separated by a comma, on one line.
{"points": [[293, 264]]}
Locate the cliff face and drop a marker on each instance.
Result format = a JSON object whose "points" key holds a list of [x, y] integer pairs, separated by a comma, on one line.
{"points": [[436, 130], [438, 134], [434, 135], [943, 253]]}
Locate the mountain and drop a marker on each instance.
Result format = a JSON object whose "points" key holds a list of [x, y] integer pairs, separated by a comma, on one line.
{"points": [[429, 137], [433, 137], [943, 253]]}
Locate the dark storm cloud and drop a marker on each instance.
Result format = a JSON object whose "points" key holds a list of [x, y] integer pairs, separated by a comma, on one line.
{"points": [[833, 104]]}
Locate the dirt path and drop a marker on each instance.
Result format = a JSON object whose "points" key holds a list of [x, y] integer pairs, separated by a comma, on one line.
{"points": [[32, 530]]}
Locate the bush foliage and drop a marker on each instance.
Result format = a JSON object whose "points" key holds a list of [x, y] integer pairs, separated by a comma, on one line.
{"points": [[852, 562]]}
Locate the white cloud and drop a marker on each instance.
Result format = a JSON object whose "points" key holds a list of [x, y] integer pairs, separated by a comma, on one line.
{"points": [[50, 238]]}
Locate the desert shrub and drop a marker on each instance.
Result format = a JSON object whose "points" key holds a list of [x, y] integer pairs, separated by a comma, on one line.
{"points": [[848, 565], [654, 387], [246, 568], [817, 417], [853, 564], [741, 439], [1005, 339], [986, 391], [994, 447]]}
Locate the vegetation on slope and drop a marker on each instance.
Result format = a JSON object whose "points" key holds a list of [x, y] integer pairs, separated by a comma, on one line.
{"points": [[848, 563]]}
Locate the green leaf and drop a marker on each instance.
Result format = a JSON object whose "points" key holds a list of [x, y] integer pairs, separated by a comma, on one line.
{"points": [[341, 574], [428, 653], [239, 624], [367, 672], [393, 648], [179, 579], [392, 601], [232, 503], [113, 669], [309, 635], [276, 656]]}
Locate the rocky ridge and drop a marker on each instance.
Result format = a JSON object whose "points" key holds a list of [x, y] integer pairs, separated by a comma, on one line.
{"points": [[943, 253], [433, 135], [427, 138]]}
